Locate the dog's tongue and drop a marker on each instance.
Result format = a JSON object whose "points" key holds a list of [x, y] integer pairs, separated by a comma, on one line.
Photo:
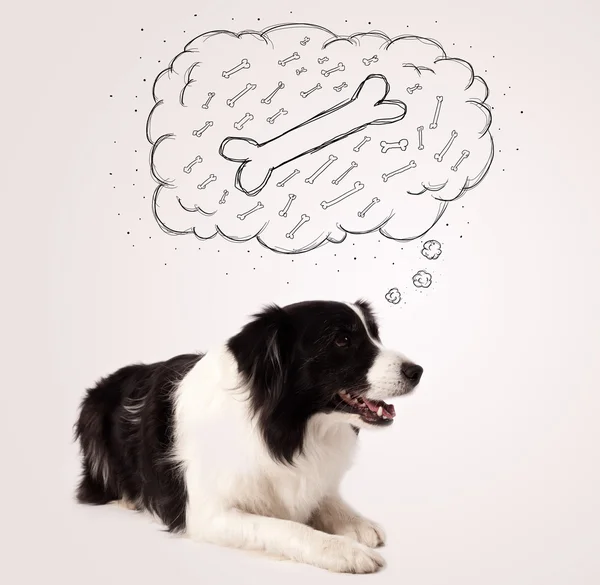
{"points": [[388, 409]]}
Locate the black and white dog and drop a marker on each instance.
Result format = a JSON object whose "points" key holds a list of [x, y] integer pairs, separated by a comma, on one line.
{"points": [[245, 446]]}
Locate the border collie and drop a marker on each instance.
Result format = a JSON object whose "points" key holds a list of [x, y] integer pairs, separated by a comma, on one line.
{"points": [[245, 446]]}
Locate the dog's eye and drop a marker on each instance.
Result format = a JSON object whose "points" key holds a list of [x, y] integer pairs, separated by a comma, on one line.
{"points": [[342, 340]]}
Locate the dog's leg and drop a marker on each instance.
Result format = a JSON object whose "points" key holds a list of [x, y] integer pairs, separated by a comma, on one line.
{"points": [[287, 539], [334, 516]]}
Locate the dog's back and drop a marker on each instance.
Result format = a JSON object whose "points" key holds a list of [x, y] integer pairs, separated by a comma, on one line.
{"points": [[125, 430]]}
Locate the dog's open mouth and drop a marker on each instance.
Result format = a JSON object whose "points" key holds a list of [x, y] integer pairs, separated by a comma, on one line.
{"points": [[375, 412]]}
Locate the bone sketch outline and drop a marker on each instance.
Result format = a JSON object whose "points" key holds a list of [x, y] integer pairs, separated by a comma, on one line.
{"points": [[166, 182]]}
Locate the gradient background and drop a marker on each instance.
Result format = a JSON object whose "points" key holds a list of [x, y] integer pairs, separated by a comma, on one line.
{"points": [[490, 474]]}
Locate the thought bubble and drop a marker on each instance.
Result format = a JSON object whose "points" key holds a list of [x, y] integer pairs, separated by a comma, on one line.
{"points": [[297, 137], [422, 279], [393, 296], [432, 250]]}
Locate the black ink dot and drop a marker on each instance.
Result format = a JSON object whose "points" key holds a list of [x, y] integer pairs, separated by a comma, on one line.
{"points": [[164, 41], [128, 233], [142, 29], [521, 111], [110, 95], [144, 80], [110, 174]]}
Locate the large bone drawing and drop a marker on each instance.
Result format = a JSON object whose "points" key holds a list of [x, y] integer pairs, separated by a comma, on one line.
{"points": [[257, 161]]}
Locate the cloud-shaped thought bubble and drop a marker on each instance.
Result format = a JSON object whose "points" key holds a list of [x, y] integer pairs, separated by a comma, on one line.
{"points": [[297, 136], [432, 250], [422, 279], [393, 296]]}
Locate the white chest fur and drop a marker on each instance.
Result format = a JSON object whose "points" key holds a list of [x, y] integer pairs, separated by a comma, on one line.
{"points": [[225, 461]]}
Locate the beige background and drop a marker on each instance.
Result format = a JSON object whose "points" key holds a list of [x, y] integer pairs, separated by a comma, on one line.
{"points": [[490, 473]]}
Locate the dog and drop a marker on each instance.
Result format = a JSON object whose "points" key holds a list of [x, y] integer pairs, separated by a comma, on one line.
{"points": [[245, 446]]}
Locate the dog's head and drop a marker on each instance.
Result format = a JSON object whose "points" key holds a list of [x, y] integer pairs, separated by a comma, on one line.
{"points": [[319, 357]]}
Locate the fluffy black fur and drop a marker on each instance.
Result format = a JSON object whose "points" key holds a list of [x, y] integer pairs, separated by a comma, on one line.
{"points": [[126, 450]]}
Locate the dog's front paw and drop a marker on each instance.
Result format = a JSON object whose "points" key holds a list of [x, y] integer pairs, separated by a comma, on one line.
{"points": [[364, 531], [343, 555]]}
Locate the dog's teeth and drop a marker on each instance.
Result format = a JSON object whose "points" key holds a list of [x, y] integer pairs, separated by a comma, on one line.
{"points": [[380, 411]]}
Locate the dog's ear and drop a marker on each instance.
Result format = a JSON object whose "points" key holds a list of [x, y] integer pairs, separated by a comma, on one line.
{"points": [[263, 351]]}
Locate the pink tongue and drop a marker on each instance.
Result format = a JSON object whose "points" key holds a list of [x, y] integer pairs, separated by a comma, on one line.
{"points": [[374, 407]]}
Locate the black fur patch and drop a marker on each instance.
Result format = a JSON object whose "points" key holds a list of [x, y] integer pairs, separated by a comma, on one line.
{"points": [[125, 429]]}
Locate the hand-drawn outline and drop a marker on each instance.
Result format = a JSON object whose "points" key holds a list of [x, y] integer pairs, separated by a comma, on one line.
{"points": [[422, 279], [259, 160], [429, 147], [432, 250], [393, 296]]}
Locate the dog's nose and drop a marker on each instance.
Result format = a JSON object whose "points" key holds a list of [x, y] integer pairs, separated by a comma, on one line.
{"points": [[412, 372]]}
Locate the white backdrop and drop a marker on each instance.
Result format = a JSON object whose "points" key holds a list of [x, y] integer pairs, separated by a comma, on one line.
{"points": [[490, 473]]}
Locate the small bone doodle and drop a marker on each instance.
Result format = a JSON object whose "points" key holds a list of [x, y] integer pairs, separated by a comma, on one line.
{"points": [[310, 180], [292, 57], [373, 59], [207, 181], [198, 133], [288, 178], [300, 71], [281, 112], [362, 213], [303, 219], [358, 186], [267, 100], [223, 197], [211, 95], [283, 212], [436, 115], [361, 143], [401, 144], [248, 117], [420, 131], [411, 165], [414, 88], [322, 60], [439, 156], [188, 168], [245, 64], [305, 41], [249, 87], [464, 154], [339, 179], [243, 216], [305, 94], [339, 87], [328, 72]]}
